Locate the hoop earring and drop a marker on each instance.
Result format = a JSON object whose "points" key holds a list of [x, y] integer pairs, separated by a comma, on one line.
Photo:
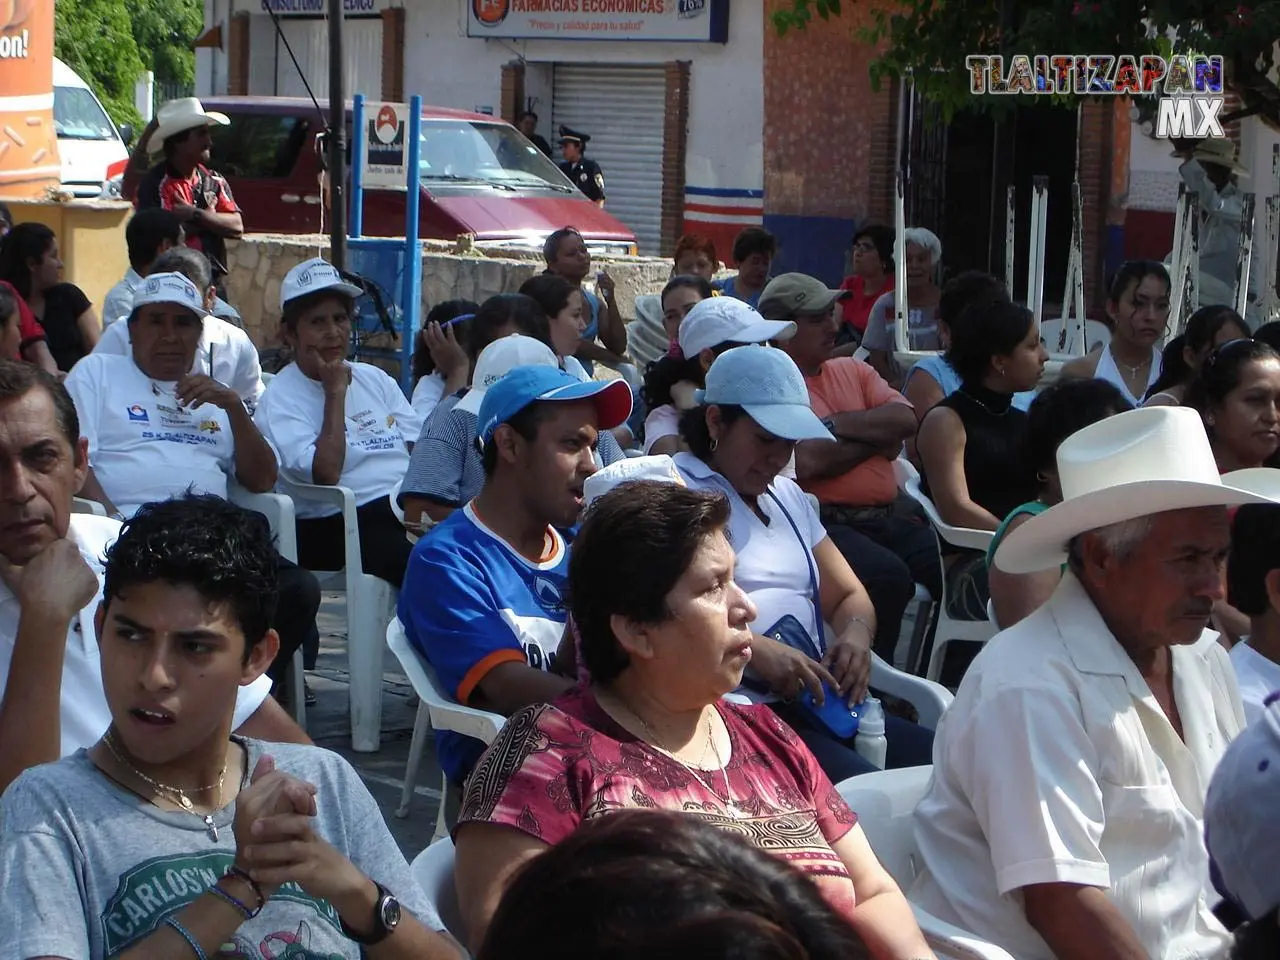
{"points": [[714, 443], [1042, 477]]}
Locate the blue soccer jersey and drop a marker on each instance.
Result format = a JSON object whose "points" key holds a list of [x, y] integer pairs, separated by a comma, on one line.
{"points": [[470, 602]]}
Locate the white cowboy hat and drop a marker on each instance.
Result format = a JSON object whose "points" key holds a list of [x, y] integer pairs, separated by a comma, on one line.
{"points": [[1221, 152], [1131, 465], [180, 115]]}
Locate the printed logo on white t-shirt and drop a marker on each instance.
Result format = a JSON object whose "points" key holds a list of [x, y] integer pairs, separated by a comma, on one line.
{"points": [[138, 413]]}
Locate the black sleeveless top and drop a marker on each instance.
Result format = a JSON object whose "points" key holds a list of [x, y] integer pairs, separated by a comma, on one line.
{"points": [[993, 454]]}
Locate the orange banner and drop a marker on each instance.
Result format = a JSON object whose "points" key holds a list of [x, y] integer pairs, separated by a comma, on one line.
{"points": [[28, 143]]}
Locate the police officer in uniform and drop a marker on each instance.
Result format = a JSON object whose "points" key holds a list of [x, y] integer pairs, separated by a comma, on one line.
{"points": [[584, 172]]}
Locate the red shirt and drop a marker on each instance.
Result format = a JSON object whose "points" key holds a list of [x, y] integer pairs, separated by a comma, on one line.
{"points": [[857, 307], [555, 765], [174, 190], [28, 326]]}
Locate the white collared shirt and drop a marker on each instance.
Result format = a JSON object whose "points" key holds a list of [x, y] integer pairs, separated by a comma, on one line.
{"points": [[1256, 676], [1055, 763], [235, 358], [118, 303], [84, 714]]}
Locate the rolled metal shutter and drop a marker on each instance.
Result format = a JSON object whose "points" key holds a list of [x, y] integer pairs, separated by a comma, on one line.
{"points": [[623, 110], [309, 39]]}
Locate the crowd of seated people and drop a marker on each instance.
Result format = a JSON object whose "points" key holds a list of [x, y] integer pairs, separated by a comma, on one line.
{"points": [[1131, 550]]}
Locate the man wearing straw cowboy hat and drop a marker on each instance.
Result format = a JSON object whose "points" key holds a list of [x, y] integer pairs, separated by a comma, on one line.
{"points": [[1064, 815], [182, 181]]}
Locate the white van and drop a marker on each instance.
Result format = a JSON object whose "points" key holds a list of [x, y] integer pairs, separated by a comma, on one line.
{"points": [[92, 151]]}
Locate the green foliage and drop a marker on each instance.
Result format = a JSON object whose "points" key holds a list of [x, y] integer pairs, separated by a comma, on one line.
{"points": [[802, 11], [112, 42], [928, 40]]}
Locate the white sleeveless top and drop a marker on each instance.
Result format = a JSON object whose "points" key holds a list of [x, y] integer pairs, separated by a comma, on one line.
{"points": [[1107, 370]]}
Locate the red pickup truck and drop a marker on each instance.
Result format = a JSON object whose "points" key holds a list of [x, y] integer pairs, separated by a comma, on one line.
{"points": [[478, 175]]}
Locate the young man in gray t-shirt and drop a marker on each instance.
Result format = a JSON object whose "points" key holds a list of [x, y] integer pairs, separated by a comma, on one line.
{"points": [[169, 838]]}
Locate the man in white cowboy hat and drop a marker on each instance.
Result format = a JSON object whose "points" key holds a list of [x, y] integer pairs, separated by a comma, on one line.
{"points": [[183, 182], [1064, 817], [1210, 169]]}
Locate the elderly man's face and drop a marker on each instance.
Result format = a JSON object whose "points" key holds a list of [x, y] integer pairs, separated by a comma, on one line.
{"points": [[40, 473], [1163, 591]]}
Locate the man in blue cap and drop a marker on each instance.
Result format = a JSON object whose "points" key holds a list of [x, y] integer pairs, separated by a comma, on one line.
{"points": [[582, 170], [483, 594]]}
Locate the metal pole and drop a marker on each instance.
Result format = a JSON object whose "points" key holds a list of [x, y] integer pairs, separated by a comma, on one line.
{"points": [[1040, 186], [1244, 253], [900, 318], [359, 144], [337, 141], [1010, 235], [412, 291], [1178, 274]]}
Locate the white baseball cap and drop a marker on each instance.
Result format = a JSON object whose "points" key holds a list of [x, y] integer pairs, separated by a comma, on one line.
{"points": [[728, 320], [172, 288], [312, 276], [628, 470], [500, 358]]}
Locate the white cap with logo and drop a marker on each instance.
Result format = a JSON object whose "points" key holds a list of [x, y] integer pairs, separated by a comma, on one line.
{"points": [[172, 288], [500, 358], [312, 276]]}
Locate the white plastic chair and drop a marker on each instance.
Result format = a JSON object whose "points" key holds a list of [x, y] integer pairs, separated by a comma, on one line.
{"points": [[370, 604], [433, 871], [278, 509], [930, 699], [1095, 334], [885, 802], [948, 629], [84, 505], [436, 711]]}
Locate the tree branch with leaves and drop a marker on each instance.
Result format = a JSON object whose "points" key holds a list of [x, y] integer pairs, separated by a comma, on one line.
{"points": [[928, 40]]}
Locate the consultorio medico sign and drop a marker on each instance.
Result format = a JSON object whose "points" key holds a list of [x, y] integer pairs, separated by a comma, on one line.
{"points": [[694, 20]]}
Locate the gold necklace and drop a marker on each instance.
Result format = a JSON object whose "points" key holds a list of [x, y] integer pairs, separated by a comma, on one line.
{"points": [[174, 794], [730, 807]]}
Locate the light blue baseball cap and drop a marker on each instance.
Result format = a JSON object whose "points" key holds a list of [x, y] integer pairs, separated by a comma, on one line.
{"points": [[522, 386], [766, 383]]}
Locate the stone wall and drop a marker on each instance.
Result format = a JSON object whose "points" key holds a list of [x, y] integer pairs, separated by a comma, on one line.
{"points": [[257, 266]]}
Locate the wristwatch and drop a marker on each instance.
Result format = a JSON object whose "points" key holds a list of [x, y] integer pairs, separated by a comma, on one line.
{"points": [[386, 917]]}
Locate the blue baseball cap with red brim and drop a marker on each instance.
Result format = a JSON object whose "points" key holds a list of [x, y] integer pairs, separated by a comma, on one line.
{"points": [[533, 384]]}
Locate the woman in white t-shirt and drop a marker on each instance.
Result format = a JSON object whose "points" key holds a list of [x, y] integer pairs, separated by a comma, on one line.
{"points": [[337, 423], [753, 411]]}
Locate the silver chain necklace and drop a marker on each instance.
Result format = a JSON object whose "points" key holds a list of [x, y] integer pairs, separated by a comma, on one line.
{"points": [[990, 412], [174, 794]]}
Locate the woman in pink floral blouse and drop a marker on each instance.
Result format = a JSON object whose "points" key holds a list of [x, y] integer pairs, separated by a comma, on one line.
{"points": [[664, 634]]}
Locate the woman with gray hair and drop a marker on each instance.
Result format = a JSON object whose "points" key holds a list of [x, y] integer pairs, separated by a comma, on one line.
{"points": [[922, 256]]}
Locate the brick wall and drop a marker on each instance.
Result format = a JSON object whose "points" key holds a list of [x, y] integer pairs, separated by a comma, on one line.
{"points": [[675, 140], [1097, 141], [238, 54], [393, 54], [827, 136]]}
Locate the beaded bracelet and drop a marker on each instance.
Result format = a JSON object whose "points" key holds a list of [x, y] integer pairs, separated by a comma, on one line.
{"points": [[192, 942], [239, 874], [218, 892]]}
